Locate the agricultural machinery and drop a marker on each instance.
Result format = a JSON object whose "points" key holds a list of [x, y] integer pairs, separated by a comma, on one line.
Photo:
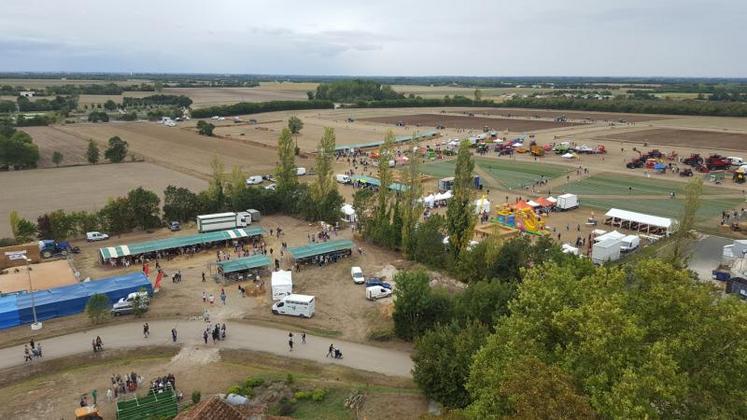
{"points": [[717, 162], [686, 172], [739, 177], [695, 160], [49, 248]]}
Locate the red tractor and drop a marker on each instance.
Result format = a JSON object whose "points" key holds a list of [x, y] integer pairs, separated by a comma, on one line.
{"points": [[694, 160], [717, 162]]}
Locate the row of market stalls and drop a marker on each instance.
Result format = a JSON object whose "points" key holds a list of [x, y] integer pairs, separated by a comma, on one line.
{"points": [[365, 181], [177, 243], [399, 139], [16, 309], [640, 222]]}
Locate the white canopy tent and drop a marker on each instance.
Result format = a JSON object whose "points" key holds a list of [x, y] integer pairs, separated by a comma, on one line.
{"points": [[482, 205], [641, 222], [348, 213], [610, 235]]}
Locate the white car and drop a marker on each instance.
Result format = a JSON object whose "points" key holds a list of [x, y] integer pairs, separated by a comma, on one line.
{"points": [[96, 236], [377, 292], [254, 180], [300, 171], [357, 275]]}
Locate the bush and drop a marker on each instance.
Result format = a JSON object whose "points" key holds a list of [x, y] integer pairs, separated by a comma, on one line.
{"points": [[253, 382], [317, 394], [290, 379], [196, 397], [235, 389], [97, 308]]}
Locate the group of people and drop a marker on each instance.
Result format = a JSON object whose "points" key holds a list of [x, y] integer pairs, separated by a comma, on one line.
{"points": [[218, 333], [34, 352], [123, 384], [290, 340], [159, 384]]}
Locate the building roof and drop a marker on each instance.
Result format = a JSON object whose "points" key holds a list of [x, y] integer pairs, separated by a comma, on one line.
{"points": [[364, 179], [398, 139], [178, 242], [213, 409], [312, 250], [242, 264], [641, 218], [609, 235]]}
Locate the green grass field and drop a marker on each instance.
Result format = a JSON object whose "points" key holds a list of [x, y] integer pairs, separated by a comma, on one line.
{"points": [[710, 209], [505, 173], [616, 184]]}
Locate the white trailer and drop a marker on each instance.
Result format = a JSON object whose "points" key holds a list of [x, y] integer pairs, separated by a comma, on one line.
{"points": [[222, 221], [607, 250], [295, 305], [567, 202], [282, 284]]}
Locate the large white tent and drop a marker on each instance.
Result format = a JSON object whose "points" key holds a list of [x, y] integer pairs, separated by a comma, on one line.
{"points": [[348, 213], [482, 204], [641, 222]]}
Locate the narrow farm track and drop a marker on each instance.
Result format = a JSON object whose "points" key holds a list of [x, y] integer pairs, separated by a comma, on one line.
{"points": [[239, 336]]}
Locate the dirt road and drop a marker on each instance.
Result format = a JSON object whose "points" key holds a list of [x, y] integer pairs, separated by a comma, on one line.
{"points": [[239, 336]]}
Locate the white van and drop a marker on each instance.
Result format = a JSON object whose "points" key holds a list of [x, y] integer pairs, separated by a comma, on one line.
{"points": [[377, 292], [343, 179], [630, 243], [300, 171], [296, 305], [357, 274], [735, 160], [96, 236], [254, 180]]}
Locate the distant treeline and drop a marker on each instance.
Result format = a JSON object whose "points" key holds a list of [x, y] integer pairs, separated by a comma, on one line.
{"points": [[98, 89], [180, 100], [213, 83], [355, 90], [242, 108], [421, 102], [636, 106], [62, 104]]}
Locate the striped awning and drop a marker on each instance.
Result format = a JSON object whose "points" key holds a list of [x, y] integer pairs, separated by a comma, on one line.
{"points": [[178, 242]]}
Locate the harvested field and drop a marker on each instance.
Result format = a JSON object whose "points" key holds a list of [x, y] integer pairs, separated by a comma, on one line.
{"points": [[37, 191], [44, 275], [209, 96], [709, 140], [472, 123], [50, 140], [180, 148], [573, 115]]}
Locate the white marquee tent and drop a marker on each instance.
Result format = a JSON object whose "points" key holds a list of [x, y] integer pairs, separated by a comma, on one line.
{"points": [[641, 222]]}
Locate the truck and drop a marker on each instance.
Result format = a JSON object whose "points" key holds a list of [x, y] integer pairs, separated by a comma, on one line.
{"points": [[222, 221], [630, 243], [607, 250], [302, 306], [377, 292], [567, 202], [49, 248]]}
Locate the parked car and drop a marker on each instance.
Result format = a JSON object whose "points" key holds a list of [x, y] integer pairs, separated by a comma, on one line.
{"points": [[175, 226], [375, 281], [377, 292], [254, 180], [124, 307], [357, 274], [96, 236]]}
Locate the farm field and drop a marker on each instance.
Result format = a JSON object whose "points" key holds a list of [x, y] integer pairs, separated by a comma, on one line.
{"points": [[573, 115], [441, 91], [466, 122], [617, 184], [507, 174], [50, 139], [710, 208], [708, 140], [34, 192], [267, 91]]}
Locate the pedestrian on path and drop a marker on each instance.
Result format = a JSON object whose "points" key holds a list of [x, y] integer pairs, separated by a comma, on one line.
{"points": [[204, 296], [173, 335], [204, 336], [290, 344], [303, 338], [331, 351], [223, 296], [203, 277], [109, 395], [93, 394], [146, 330], [26, 354]]}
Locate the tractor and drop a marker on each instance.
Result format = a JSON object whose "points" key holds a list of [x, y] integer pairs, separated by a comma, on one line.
{"points": [[739, 177], [49, 248], [717, 162], [686, 172], [694, 160]]}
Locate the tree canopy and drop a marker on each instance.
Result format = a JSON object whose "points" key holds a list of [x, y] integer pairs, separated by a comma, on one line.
{"points": [[355, 90]]}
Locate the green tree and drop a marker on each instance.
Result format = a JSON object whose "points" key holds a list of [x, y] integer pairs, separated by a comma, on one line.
{"points": [[644, 341], [412, 208], [110, 105], [57, 158], [139, 306], [205, 128], [97, 308], [295, 125], [60, 225], [117, 150], [96, 116], [460, 217], [117, 216], [417, 307], [179, 204], [22, 229], [285, 172], [427, 242], [478, 95], [144, 207], [324, 186], [216, 188], [442, 359], [685, 231], [93, 154], [484, 301], [18, 151], [158, 86]]}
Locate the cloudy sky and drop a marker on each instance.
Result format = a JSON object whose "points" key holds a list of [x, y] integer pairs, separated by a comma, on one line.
{"points": [[379, 37]]}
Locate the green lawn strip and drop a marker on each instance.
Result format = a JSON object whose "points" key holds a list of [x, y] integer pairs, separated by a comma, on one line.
{"points": [[617, 184], [664, 207], [331, 407], [509, 173]]}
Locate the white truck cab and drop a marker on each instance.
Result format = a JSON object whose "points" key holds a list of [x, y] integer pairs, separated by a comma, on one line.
{"points": [[96, 236], [377, 292], [302, 306]]}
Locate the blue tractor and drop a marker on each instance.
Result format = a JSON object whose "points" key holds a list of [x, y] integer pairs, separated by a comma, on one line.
{"points": [[49, 248]]}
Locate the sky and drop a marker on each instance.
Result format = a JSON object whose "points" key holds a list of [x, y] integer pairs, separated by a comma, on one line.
{"points": [[688, 38]]}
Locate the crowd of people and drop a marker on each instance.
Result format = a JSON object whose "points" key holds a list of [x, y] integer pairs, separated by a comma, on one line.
{"points": [[217, 332], [32, 351], [123, 384]]}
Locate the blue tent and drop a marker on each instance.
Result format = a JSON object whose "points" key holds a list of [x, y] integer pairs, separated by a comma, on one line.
{"points": [[67, 300]]}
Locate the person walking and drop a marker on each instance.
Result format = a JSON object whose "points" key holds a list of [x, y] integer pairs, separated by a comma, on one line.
{"points": [[146, 330], [173, 335], [331, 351], [303, 338], [203, 277], [39, 350], [94, 394], [109, 395], [32, 343], [204, 336], [204, 296], [93, 343], [26, 354], [290, 343], [223, 296]]}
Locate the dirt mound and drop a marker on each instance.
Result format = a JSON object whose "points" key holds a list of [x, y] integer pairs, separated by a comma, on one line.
{"points": [[388, 272], [190, 356]]}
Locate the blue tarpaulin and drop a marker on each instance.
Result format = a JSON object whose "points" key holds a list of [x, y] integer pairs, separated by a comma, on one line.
{"points": [[67, 300]]}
